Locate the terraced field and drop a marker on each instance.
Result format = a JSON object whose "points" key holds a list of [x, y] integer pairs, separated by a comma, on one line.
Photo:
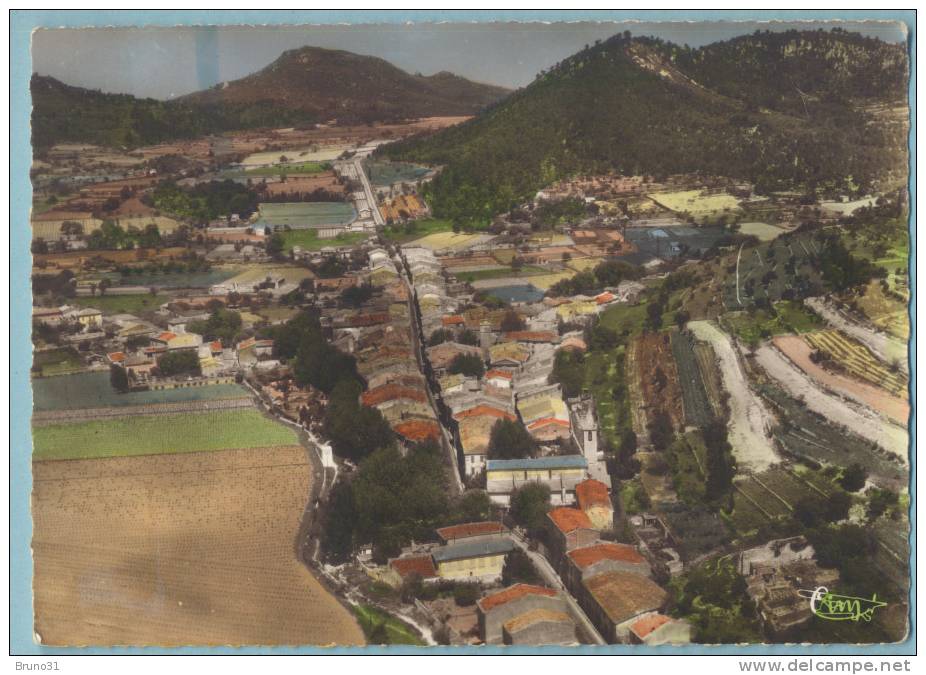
{"points": [[769, 495], [696, 404], [858, 361]]}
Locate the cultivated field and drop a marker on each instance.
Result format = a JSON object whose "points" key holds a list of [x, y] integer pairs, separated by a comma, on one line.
{"points": [[695, 203], [447, 240], [159, 434], [798, 352], [810, 436], [659, 377], [861, 421], [749, 420], [195, 549], [858, 361], [762, 231], [306, 214], [696, 404], [297, 155], [887, 349]]}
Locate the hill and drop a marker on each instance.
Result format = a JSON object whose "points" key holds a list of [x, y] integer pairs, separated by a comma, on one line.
{"points": [[327, 83], [787, 110], [303, 86]]}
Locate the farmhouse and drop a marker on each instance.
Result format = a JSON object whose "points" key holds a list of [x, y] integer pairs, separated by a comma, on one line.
{"points": [[400, 569]]}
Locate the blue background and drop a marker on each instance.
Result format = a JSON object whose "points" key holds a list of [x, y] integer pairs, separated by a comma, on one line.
{"points": [[22, 23]]}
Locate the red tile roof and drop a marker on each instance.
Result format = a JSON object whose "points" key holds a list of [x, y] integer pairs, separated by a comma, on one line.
{"points": [[546, 421], [643, 627], [592, 493], [421, 565], [469, 530], [568, 520], [498, 372], [417, 430], [391, 392], [516, 592], [452, 320], [216, 346], [604, 298], [116, 357], [483, 409], [589, 555], [166, 336]]}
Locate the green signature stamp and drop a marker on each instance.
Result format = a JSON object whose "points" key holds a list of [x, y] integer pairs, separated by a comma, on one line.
{"points": [[833, 607]]}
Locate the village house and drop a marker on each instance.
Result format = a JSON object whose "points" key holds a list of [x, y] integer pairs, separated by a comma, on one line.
{"points": [[174, 341], [561, 473], [544, 414], [540, 627], [601, 557], [595, 501], [89, 319], [614, 600], [441, 356], [658, 629], [569, 529], [469, 532], [473, 432], [400, 570], [480, 560], [496, 609], [508, 354]]}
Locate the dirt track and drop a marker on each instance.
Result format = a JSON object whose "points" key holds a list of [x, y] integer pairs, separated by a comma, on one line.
{"points": [[749, 420], [178, 549], [862, 421], [798, 352]]}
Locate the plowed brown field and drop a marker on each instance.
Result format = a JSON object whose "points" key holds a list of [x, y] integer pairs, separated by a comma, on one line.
{"points": [[192, 549]]}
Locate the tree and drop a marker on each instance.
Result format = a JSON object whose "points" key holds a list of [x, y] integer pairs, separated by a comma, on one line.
{"points": [[275, 245], [510, 440], [511, 322], [721, 467], [439, 336], [223, 324], [682, 317], [470, 365], [468, 337], [815, 511], [355, 431], [179, 362], [519, 569], [529, 506], [569, 372], [853, 477], [472, 506], [118, 379], [879, 501], [465, 595]]}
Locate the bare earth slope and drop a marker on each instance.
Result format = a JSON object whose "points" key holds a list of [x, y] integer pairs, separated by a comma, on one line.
{"points": [[177, 550]]}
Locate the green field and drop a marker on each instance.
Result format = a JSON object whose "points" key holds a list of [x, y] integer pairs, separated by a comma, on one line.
{"points": [[159, 434], [622, 318], [310, 241], [305, 214], [302, 168], [123, 304], [382, 628], [57, 362], [788, 317], [416, 229], [501, 273]]}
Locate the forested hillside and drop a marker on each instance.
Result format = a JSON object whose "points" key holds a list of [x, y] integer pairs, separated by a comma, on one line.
{"points": [[644, 106]]}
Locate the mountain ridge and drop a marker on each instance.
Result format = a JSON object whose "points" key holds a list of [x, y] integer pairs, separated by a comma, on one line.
{"points": [[646, 106], [302, 86]]}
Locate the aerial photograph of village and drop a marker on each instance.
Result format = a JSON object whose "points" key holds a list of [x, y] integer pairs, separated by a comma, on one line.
{"points": [[571, 335]]}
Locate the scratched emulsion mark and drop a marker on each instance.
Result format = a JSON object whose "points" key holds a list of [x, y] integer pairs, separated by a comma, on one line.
{"points": [[207, 56], [833, 607]]}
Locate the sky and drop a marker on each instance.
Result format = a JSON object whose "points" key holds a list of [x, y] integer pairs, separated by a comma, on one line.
{"points": [[167, 62]]}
